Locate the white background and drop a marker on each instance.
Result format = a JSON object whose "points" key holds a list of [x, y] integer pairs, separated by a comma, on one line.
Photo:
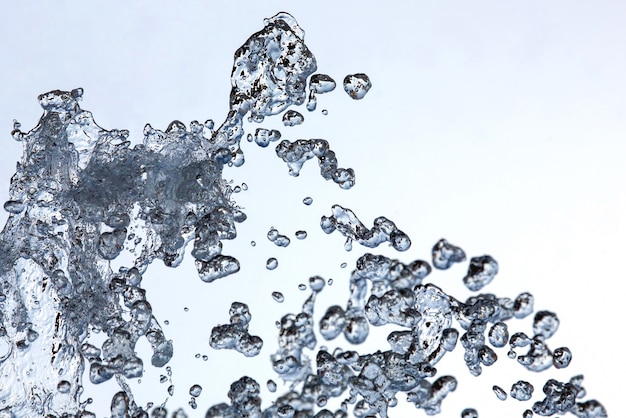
{"points": [[498, 125]]}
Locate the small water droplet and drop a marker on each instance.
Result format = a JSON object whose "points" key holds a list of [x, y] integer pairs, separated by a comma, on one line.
{"points": [[271, 263]]}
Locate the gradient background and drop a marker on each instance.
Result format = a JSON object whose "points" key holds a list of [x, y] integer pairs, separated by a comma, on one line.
{"points": [[497, 125]]}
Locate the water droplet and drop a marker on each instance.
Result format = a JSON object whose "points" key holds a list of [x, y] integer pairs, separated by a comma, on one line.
{"points": [[278, 297], [307, 200], [500, 393], [271, 263], [292, 118], [271, 386], [301, 234], [195, 390], [357, 85]]}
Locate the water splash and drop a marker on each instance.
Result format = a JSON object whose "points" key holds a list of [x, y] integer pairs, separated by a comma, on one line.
{"points": [[82, 195]]}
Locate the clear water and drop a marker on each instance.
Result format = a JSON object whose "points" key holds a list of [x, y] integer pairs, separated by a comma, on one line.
{"points": [[82, 195]]}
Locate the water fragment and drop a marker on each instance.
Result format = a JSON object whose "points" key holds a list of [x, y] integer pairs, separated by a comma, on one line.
{"points": [[357, 85], [480, 273], [500, 393], [271, 263], [292, 118]]}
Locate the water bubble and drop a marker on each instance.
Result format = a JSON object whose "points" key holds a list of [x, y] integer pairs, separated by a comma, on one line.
{"points": [[357, 85], [271, 263]]}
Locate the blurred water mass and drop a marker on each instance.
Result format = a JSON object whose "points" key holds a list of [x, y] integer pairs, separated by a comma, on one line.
{"points": [[81, 195]]}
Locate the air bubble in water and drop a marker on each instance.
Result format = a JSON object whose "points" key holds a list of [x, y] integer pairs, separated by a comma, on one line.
{"points": [[357, 85]]}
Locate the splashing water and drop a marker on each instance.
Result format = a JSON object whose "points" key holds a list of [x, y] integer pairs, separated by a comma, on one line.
{"points": [[81, 195]]}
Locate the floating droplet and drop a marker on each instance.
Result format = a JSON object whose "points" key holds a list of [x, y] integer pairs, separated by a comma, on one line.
{"points": [[522, 390], [271, 263], [500, 393], [271, 386], [195, 390], [357, 85], [292, 118], [278, 297]]}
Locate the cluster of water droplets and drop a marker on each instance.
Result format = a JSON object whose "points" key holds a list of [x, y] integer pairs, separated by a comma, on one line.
{"points": [[81, 195], [383, 230]]}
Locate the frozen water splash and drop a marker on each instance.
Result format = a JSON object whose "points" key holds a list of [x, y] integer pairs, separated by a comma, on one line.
{"points": [[346, 222], [295, 154], [82, 196], [235, 335]]}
